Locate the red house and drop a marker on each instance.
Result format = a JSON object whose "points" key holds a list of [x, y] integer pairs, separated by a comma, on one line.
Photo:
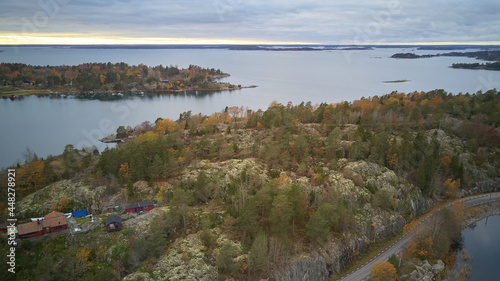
{"points": [[139, 207], [147, 206], [114, 223], [54, 221], [30, 229]]}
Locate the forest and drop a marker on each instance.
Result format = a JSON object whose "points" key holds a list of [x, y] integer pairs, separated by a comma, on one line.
{"points": [[108, 77], [246, 194]]}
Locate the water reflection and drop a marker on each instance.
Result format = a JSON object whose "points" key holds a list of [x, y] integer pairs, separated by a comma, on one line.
{"points": [[144, 95]]}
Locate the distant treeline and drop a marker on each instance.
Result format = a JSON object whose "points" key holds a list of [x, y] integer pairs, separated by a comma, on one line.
{"points": [[486, 66], [482, 55]]}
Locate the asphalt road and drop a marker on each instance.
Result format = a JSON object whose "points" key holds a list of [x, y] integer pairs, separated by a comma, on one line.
{"points": [[363, 272]]}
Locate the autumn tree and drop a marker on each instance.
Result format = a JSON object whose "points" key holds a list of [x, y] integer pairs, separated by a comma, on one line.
{"points": [[421, 246], [84, 255], [235, 112], [31, 175], [451, 188], [164, 126], [124, 171], [383, 271]]}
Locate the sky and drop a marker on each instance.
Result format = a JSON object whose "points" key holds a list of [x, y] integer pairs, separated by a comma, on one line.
{"points": [[249, 22]]}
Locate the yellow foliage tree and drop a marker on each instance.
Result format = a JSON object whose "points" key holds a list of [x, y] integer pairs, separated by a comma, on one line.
{"points": [[83, 254], [149, 136], [159, 195], [383, 271], [164, 125], [124, 170]]}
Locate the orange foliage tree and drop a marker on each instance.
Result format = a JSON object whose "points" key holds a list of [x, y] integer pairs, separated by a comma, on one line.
{"points": [[451, 188], [31, 175], [383, 271], [421, 247]]}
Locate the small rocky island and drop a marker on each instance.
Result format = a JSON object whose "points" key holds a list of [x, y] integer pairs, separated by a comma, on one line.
{"points": [[108, 79]]}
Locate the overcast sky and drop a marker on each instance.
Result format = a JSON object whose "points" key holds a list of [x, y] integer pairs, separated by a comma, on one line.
{"points": [[251, 21]]}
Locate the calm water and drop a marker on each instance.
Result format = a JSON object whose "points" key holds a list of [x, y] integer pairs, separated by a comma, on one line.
{"points": [[46, 125], [482, 244]]}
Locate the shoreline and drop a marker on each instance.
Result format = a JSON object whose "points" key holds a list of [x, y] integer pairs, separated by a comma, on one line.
{"points": [[104, 93]]}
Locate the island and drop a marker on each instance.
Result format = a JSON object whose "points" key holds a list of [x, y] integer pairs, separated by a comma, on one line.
{"points": [[108, 79], [480, 55], [396, 81]]}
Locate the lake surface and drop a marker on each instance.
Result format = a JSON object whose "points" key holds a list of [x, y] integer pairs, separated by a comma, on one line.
{"points": [[46, 124], [481, 242]]}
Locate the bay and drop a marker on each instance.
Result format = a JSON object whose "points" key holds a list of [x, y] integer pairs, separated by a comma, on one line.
{"points": [[46, 125], [481, 242]]}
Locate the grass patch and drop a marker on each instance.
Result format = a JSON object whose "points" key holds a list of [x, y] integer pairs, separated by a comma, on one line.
{"points": [[82, 220]]}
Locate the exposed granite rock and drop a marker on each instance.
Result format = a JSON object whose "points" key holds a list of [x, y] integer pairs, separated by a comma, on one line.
{"points": [[39, 203], [138, 276], [141, 223], [185, 261], [425, 272]]}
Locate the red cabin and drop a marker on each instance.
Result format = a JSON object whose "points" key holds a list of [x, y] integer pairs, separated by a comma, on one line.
{"points": [[30, 229], [54, 221], [114, 223], [139, 207], [147, 206]]}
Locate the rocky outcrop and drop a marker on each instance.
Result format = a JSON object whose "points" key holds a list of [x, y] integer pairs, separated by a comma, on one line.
{"points": [[39, 203], [425, 272], [185, 261], [138, 276], [322, 262]]}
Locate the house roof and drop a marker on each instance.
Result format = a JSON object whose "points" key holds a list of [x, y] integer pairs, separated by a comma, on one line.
{"points": [[29, 227], [146, 204], [131, 206], [113, 219], [55, 221], [53, 214]]}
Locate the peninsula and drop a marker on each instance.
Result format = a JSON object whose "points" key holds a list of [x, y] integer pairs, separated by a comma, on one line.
{"points": [[295, 192], [108, 79]]}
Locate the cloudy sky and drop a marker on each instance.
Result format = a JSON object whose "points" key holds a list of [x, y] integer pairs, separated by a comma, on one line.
{"points": [[250, 21]]}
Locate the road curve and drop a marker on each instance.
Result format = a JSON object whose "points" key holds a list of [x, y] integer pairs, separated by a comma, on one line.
{"points": [[363, 272]]}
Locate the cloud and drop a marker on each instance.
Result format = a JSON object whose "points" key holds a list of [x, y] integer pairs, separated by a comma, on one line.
{"points": [[266, 20]]}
